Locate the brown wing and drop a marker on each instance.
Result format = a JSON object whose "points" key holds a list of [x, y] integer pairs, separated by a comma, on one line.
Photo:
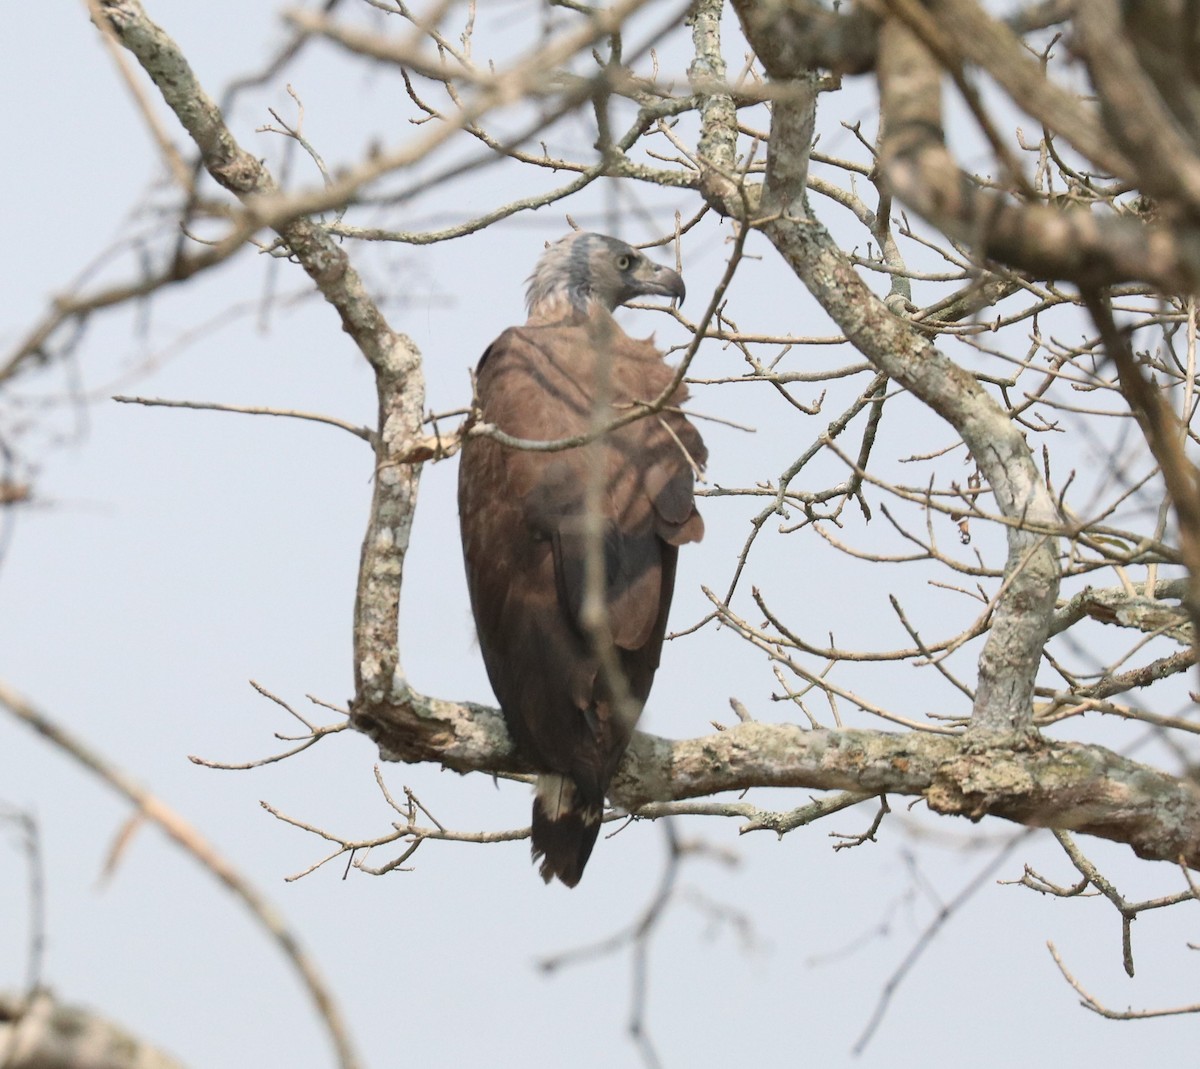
{"points": [[522, 515]]}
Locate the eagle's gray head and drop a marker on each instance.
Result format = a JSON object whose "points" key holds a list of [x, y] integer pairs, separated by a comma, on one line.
{"points": [[583, 267]]}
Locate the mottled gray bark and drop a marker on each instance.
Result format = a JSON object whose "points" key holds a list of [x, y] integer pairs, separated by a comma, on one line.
{"points": [[39, 1032], [1045, 784], [1011, 656]]}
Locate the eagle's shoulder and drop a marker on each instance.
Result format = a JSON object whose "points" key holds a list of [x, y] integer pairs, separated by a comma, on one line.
{"points": [[505, 343]]}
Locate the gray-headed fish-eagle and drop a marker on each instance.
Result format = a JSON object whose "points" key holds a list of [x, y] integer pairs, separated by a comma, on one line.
{"points": [[524, 520]]}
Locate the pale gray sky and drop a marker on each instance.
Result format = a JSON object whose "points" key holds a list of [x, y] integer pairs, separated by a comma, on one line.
{"points": [[174, 555]]}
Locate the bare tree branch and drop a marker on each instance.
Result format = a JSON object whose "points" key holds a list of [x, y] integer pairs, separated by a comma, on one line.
{"points": [[40, 1032], [193, 843]]}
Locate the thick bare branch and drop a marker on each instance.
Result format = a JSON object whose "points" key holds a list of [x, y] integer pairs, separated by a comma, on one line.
{"points": [[1092, 248], [1020, 623], [42, 1033], [1068, 786], [244, 175], [1165, 162], [394, 357], [961, 30], [803, 34]]}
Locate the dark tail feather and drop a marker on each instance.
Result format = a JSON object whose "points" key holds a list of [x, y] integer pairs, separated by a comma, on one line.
{"points": [[565, 827]]}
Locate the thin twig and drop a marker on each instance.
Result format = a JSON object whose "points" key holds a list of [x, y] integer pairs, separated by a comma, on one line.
{"points": [[365, 433]]}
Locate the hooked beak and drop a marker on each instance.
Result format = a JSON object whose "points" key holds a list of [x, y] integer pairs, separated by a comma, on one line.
{"points": [[662, 281]]}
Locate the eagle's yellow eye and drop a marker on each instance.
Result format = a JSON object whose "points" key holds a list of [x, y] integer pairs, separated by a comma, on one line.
{"points": [[624, 263]]}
